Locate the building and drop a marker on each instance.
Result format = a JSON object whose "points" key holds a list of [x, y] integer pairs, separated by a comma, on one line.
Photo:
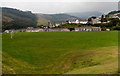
{"points": [[83, 22], [65, 29], [116, 15], [94, 20], [50, 25], [56, 29], [34, 30], [57, 24], [88, 28], [76, 21], [107, 29], [6, 31]]}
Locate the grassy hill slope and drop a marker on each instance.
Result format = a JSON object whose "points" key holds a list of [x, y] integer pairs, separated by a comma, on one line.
{"points": [[60, 52], [14, 18], [43, 19]]}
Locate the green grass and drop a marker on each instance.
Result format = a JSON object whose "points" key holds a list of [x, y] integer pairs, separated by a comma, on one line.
{"points": [[60, 52]]}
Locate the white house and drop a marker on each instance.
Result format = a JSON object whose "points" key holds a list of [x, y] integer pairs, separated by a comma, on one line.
{"points": [[107, 29], [57, 24], [96, 21], [74, 21], [6, 31], [83, 22]]}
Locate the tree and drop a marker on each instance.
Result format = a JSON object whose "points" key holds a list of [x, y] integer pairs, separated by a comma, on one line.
{"points": [[114, 21], [117, 27], [102, 18]]}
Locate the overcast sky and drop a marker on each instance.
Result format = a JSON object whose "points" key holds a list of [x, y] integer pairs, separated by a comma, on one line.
{"points": [[62, 6], [59, 0]]}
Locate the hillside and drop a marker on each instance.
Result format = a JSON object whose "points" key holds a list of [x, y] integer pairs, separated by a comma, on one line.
{"points": [[43, 19], [60, 53], [14, 18]]}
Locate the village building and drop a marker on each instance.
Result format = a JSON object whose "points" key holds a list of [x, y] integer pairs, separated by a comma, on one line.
{"points": [[57, 24], [65, 29], [107, 29], [56, 29], [6, 31], [76, 21], [105, 22], [117, 15], [25, 30], [34, 30], [88, 28], [49, 24], [52, 25], [83, 22], [96, 21]]}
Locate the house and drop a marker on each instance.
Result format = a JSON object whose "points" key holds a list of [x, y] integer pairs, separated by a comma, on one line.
{"points": [[94, 20], [117, 15], [37, 30], [29, 29], [106, 22], [83, 22], [76, 21], [34, 30], [9, 31], [65, 29], [107, 29], [6, 31], [50, 25], [56, 29], [88, 28], [57, 24]]}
